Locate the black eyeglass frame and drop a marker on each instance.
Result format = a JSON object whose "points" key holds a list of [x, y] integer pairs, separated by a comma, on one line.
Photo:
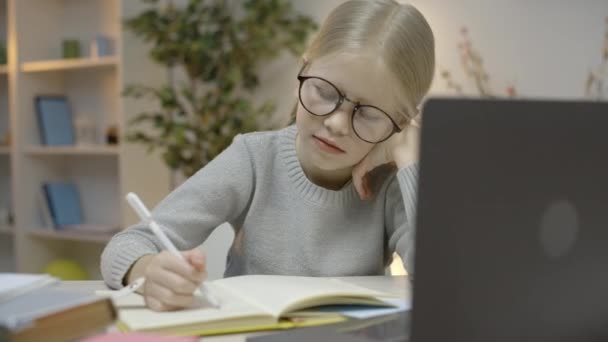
{"points": [[396, 128]]}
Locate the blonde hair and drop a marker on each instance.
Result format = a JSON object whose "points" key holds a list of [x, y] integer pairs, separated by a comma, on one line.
{"points": [[399, 33]]}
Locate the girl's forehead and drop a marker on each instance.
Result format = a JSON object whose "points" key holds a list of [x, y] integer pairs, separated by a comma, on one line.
{"points": [[363, 78]]}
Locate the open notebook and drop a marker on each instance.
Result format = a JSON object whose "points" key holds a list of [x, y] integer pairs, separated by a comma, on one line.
{"points": [[250, 303]]}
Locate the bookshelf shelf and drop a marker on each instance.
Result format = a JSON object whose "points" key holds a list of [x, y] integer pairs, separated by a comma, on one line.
{"points": [[101, 150], [68, 64], [70, 235]]}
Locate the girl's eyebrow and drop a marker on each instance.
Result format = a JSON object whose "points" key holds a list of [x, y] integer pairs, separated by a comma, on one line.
{"points": [[304, 71], [355, 97], [361, 99], [399, 115]]}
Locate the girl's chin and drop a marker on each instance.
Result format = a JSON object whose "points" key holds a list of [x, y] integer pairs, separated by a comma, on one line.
{"points": [[325, 165]]}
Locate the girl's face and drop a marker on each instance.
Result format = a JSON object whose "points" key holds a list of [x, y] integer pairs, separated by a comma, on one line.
{"points": [[329, 142]]}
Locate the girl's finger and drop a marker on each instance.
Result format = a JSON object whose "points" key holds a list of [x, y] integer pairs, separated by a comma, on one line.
{"points": [[366, 187], [197, 259], [169, 299], [174, 264], [358, 181], [173, 281], [154, 304]]}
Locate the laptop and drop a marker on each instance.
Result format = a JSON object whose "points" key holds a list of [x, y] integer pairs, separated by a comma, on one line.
{"points": [[512, 222]]}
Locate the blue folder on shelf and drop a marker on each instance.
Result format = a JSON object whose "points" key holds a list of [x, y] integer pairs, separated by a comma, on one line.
{"points": [[64, 203], [55, 120]]}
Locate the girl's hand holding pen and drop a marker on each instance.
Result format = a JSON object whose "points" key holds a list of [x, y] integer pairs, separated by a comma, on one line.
{"points": [[170, 282], [175, 275]]}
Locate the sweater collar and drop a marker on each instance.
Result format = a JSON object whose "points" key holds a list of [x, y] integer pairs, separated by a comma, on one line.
{"points": [[307, 189]]}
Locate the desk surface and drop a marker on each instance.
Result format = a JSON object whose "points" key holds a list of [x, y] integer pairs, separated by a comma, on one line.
{"points": [[395, 285]]}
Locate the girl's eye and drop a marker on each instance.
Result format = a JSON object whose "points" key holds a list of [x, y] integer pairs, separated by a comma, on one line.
{"points": [[368, 115], [325, 93]]}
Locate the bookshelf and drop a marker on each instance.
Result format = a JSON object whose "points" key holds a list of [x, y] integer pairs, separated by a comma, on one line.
{"points": [[103, 173]]}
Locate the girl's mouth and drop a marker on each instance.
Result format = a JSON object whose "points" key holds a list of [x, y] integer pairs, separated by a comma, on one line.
{"points": [[327, 146]]}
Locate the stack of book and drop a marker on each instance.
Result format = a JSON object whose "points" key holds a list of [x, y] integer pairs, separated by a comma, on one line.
{"points": [[34, 308]]}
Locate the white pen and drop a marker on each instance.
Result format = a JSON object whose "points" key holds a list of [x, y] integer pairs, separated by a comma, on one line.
{"points": [[145, 215]]}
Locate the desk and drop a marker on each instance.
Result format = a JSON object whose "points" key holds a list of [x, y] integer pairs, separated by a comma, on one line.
{"points": [[398, 285]]}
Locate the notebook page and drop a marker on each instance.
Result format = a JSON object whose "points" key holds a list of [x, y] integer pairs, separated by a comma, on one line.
{"points": [[231, 308], [280, 294]]}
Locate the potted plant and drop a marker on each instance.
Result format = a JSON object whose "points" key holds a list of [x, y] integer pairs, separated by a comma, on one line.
{"points": [[217, 45]]}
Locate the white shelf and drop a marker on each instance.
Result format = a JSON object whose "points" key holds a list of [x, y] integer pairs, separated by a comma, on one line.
{"points": [[68, 64], [70, 235], [6, 230], [101, 150], [93, 86]]}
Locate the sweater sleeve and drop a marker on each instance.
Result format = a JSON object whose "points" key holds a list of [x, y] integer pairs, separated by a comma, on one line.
{"points": [[400, 214], [220, 192]]}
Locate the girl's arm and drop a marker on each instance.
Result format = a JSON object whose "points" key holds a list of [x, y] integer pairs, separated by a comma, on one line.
{"points": [[220, 192], [400, 214]]}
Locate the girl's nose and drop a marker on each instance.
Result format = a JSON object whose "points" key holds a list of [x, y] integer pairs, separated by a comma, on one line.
{"points": [[338, 122]]}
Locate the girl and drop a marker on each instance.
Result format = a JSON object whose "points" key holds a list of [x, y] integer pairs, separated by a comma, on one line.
{"points": [[302, 200]]}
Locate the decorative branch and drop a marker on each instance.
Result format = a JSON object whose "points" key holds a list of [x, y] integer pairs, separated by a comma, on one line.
{"points": [[472, 64], [595, 85]]}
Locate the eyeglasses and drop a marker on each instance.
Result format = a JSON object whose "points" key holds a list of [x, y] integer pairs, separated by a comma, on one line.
{"points": [[320, 97]]}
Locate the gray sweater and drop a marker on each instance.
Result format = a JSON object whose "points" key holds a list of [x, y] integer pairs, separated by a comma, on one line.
{"points": [[283, 223]]}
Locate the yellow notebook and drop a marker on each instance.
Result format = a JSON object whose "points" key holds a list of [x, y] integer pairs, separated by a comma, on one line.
{"points": [[251, 303]]}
